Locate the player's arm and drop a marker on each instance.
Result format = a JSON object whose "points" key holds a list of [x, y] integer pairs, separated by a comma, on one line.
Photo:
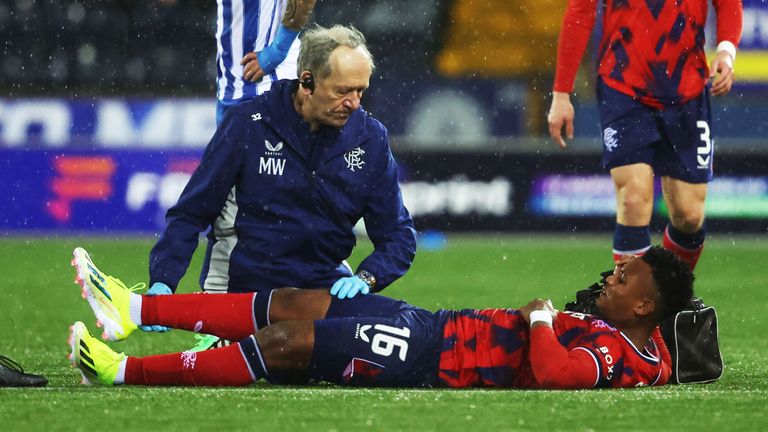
{"points": [[576, 29], [557, 368], [266, 61], [729, 23], [389, 226], [552, 365], [199, 204]]}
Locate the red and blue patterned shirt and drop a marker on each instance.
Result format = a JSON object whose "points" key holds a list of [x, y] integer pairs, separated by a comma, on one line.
{"points": [[650, 49], [496, 348]]}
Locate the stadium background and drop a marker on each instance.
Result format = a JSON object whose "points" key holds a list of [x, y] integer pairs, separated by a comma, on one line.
{"points": [[110, 103], [105, 107]]}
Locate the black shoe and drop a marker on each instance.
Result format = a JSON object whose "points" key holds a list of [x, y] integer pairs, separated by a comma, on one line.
{"points": [[12, 375]]}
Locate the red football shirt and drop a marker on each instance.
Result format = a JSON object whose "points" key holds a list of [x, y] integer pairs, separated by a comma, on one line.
{"points": [[650, 49], [496, 348]]}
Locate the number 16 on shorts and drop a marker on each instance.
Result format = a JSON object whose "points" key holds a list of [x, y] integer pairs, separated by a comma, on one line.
{"points": [[386, 340]]}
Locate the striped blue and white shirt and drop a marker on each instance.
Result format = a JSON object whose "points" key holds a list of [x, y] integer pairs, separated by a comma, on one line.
{"points": [[243, 26]]}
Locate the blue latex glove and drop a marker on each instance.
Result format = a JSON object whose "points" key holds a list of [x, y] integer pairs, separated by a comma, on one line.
{"points": [[348, 287], [157, 288]]}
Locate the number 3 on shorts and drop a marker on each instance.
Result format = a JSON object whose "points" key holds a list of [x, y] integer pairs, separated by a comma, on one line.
{"points": [[704, 151], [386, 339]]}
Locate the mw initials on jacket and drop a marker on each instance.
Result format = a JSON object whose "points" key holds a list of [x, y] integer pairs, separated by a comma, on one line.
{"points": [[271, 166]]}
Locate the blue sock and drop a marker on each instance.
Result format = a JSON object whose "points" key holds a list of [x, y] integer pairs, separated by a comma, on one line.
{"points": [[629, 240], [252, 354], [686, 240], [261, 308]]}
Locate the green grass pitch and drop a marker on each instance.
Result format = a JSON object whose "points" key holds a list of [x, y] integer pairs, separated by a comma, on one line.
{"points": [[38, 301]]}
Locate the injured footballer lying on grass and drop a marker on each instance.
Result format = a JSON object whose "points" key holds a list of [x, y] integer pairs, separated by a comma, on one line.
{"points": [[290, 335]]}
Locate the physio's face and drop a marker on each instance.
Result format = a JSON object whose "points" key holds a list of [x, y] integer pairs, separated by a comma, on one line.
{"points": [[338, 95], [627, 290]]}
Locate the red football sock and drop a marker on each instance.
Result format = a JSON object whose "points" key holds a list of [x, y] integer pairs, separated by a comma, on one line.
{"points": [[691, 256], [229, 316], [216, 367]]}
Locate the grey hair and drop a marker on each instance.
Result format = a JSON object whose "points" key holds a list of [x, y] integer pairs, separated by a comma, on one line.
{"points": [[317, 44]]}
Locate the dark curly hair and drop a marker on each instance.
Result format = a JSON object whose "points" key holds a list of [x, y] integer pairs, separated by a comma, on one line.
{"points": [[673, 278]]}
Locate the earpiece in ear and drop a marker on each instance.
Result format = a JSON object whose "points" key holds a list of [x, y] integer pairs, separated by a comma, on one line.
{"points": [[309, 83]]}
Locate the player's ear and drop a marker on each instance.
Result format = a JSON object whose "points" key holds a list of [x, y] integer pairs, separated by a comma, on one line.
{"points": [[645, 307]]}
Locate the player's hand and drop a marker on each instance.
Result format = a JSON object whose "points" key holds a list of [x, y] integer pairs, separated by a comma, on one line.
{"points": [[348, 287], [561, 114], [157, 288], [722, 72], [252, 70], [537, 304]]}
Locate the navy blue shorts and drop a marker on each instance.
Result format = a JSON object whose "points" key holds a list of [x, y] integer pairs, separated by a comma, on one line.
{"points": [[676, 141], [399, 350]]}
